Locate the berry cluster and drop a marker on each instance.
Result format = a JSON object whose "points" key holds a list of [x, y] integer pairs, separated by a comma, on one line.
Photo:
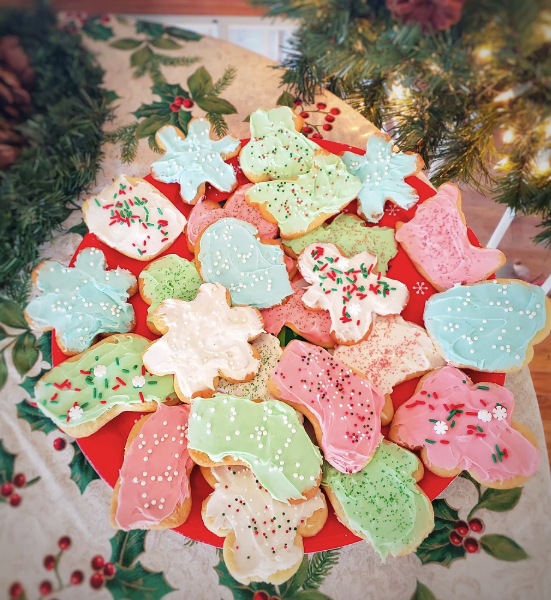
{"points": [[321, 108], [180, 102], [262, 595], [458, 537], [102, 571], [7, 490]]}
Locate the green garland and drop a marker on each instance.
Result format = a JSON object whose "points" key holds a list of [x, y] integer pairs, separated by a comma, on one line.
{"points": [[65, 134]]}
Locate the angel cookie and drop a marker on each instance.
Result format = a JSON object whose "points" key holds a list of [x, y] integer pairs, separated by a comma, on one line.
{"points": [[85, 392], [394, 351], [134, 218], [382, 172], [460, 426], [265, 436], [490, 326], [345, 409], [277, 149], [350, 289], [229, 252], [153, 491], [436, 241], [263, 536], [383, 503], [195, 160], [300, 205], [167, 277], [81, 302], [202, 340]]}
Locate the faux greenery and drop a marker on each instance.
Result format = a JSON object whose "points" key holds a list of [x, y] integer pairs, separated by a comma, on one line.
{"points": [[474, 100], [37, 193]]}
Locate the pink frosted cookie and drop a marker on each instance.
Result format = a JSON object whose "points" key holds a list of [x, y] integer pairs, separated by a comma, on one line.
{"points": [[394, 351], [314, 325], [153, 487], [344, 408], [460, 426], [206, 212], [437, 243]]}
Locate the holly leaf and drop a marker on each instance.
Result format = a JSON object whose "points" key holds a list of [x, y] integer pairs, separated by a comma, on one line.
{"points": [[44, 344], [126, 546], [443, 511], [298, 579], [154, 30], [497, 500], [319, 567], [6, 464], [96, 30], [422, 592], [110, 95], [437, 548], [33, 415], [286, 99], [3, 370], [247, 119], [25, 352], [239, 590], [169, 91], [155, 108], [141, 56], [3, 334], [138, 583], [286, 335], [126, 44], [199, 84], [29, 382], [165, 44], [216, 105], [502, 548], [11, 314], [466, 475], [82, 472], [183, 34], [151, 125], [310, 595], [184, 117], [81, 229]]}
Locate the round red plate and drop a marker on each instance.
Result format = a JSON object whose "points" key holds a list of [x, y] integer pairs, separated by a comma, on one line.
{"points": [[105, 448]]}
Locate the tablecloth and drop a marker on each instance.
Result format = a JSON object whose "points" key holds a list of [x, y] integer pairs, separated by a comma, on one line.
{"points": [[55, 532]]}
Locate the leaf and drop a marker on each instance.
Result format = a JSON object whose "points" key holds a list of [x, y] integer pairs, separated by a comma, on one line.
{"points": [[183, 34], [25, 352], [286, 99], [216, 105], [422, 592], [319, 567], [437, 548], [82, 472], [466, 475], [6, 464], [97, 31], [310, 595], [126, 44], [34, 416], [3, 334], [3, 370], [239, 590], [151, 125], [168, 91], [165, 44], [11, 314], [298, 578], [81, 229], [126, 546], [29, 382], [44, 344], [154, 30], [156, 108], [199, 84], [110, 96], [247, 119], [141, 56], [286, 335], [184, 117], [138, 583], [497, 500], [502, 548], [442, 510]]}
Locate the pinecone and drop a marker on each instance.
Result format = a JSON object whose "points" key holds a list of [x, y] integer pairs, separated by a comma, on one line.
{"points": [[439, 14]]}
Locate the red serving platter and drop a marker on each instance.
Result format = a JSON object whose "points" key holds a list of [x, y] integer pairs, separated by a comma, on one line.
{"points": [[105, 448]]}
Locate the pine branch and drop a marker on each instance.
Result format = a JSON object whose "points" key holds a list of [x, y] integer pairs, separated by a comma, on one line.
{"points": [[218, 123], [126, 136], [151, 140], [319, 567], [224, 82]]}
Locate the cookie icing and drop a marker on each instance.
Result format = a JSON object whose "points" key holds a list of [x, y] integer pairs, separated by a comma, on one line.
{"points": [[346, 406], [298, 205], [207, 212], [382, 172], [82, 301], [487, 326], [266, 538], [154, 475], [351, 235], [195, 160], [276, 150], [266, 436], [134, 218], [349, 288], [314, 325], [110, 373], [465, 427], [254, 273], [436, 240], [382, 502], [395, 350], [205, 338]]}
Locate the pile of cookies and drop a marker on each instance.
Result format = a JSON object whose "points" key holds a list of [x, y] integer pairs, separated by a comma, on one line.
{"points": [[221, 393]]}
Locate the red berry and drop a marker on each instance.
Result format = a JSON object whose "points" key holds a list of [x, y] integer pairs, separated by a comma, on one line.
{"points": [[96, 581], [6, 489], [49, 562], [304, 115], [476, 525], [187, 103], [321, 105], [455, 538], [59, 444], [109, 569], [19, 480], [174, 108], [64, 542], [471, 545], [77, 577], [329, 118], [45, 588], [97, 562], [317, 136], [261, 595], [462, 528], [307, 129], [15, 499], [179, 100], [16, 590], [327, 127], [105, 19], [335, 111], [297, 101]]}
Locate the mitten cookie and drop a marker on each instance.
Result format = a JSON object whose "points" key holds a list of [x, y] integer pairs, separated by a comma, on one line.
{"points": [[461, 426], [81, 302], [85, 392], [152, 491], [263, 537], [202, 340]]}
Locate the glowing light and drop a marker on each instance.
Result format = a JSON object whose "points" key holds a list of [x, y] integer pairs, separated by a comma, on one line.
{"points": [[483, 53], [513, 93], [542, 162], [547, 128], [398, 92], [509, 136], [502, 164]]}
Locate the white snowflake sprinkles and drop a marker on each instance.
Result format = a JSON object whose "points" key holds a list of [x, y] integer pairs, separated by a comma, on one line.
{"points": [[420, 288], [440, 427], [484, 416], [138, 381], [354, 309], [500, 413], [75, 413], [100, 371]]}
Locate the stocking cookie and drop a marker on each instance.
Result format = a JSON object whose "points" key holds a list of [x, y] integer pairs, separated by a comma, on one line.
{"points": [[229, 252], [152, 491], [207, 212], [490, 326], [344, 408], [351, 235], [277, 150], [202, 340], [263, 537], [87, 391], [81, 302], [313, 325], [264, 436], [437, 243], [134, 218], [460, 426], [195, 160], [382, 172], [167, 277], [382, 503], [350, 289], [394, 351]]}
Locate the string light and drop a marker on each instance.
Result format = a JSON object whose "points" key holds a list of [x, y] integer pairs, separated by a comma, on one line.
{"points": [[483, 53], [546, 126], [398, 91], [542, 162], [513, 93], [509, 135], [501, 165]]}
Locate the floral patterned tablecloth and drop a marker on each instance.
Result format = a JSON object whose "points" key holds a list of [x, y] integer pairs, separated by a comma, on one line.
{"points": [[56, 541]]}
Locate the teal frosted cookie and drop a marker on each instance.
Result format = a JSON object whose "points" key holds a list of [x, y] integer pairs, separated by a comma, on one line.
{"points": [[253, 272], [81, 302]]}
